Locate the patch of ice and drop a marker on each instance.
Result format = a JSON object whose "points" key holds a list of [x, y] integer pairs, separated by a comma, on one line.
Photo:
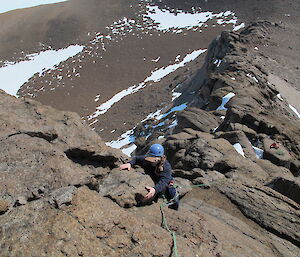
{"points": [[10, 5], [152, 115], [125, 139], [175, 95], [215, 129], [218, 62], [156, 60], [252, 77], [239, 149], [280, 97], [92, 123], [295, 110], [37, 63], [173, 124], [128, 151], [174, 109], [238, 27], [225, 100], [258, 152], [97, 98], [160, 137]]}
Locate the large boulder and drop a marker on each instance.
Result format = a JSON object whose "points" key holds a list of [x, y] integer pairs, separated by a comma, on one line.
{"points": [[126, 188], [197, 119]]}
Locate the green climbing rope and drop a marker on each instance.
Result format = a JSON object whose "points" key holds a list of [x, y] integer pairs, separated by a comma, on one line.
{"points": [[164, 220], [173, 234]]}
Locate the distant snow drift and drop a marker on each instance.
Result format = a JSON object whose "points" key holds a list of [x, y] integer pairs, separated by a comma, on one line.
{"points": [[14, 75], [155, 76], [9, 5], [175, 22], [295, 110]]}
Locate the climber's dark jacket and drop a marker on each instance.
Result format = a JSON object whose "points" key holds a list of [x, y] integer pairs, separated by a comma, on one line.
{"points": [[161, 179]]}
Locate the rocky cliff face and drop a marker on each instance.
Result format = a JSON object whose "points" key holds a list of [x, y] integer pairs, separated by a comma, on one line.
{"points": [[62, 195]]}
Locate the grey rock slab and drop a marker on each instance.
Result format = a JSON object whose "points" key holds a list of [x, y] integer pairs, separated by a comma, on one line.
{"points": [[126, 188], [271, 210]]}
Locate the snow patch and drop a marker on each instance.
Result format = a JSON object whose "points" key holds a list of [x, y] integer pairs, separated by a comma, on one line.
{"points": [[97, 98], [239, 149], [128, 151], [173, 124], [37, 63], [238, 27], [252, 77], [125, 139], [279, 97], [258, 152], [164, 71], [175, 22], [174, 109], [218, 62], [225, 100], [152, 115], [295, 110], [175, 95], [156, 60]]}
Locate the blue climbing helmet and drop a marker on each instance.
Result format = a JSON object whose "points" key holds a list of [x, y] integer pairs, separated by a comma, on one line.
{"points": [[156, 150]]}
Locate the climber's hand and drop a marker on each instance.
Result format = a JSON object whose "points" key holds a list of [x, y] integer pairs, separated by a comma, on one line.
{"points": [[150, 194], [125, 166]]}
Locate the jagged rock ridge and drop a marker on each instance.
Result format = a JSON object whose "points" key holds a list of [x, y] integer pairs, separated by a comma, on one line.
{"points": [[62, 196]]}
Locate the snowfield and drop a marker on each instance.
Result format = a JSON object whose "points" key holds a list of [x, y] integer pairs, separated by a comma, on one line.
{"points": [[14, 75]]}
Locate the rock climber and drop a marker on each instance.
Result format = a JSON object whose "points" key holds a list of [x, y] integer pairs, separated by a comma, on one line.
{"points": [[156, 165]]}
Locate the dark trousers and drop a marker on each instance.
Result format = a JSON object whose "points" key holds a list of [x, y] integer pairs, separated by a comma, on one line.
{"points": [[173, 197]]}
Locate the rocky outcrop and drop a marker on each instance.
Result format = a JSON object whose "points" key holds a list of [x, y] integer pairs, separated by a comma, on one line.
{"points": [[276, 153], [126, 188], [234, 66], [273, 211], [44, 150], [201, 150], [289, 187], [90, 226], [197, 119]]}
